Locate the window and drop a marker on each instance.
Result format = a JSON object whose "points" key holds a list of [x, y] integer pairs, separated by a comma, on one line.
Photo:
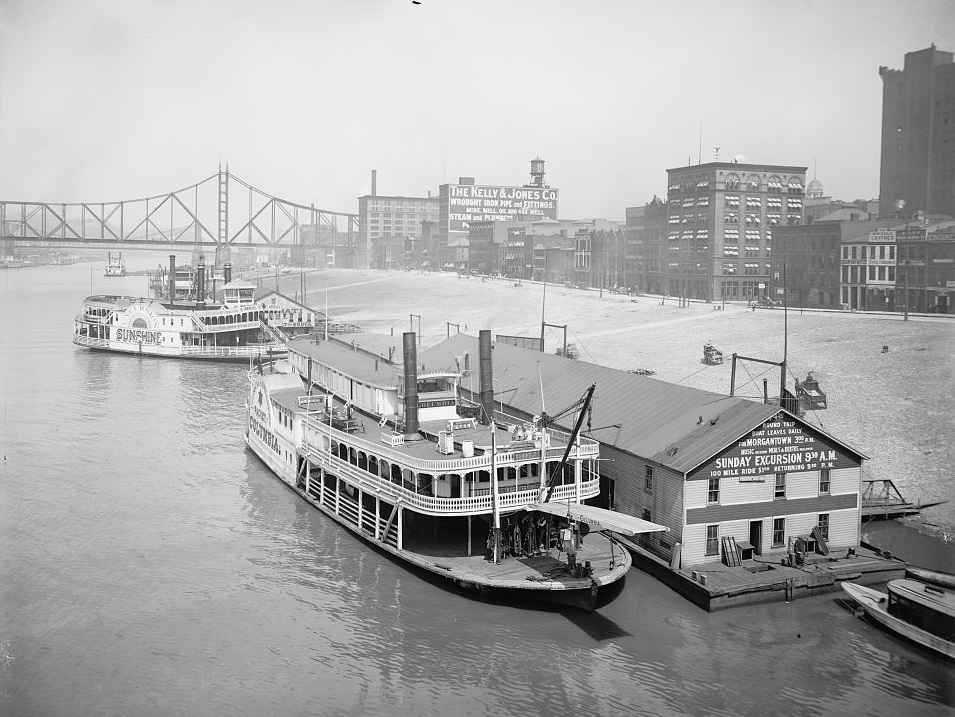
{"points": [[779, 532], [712, 540], [824, 481], [780, 486], [713, 493], [648, 484], [824, 525], [646, 514]]}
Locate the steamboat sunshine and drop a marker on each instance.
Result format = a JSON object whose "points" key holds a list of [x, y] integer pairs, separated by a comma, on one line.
{"points": [[400, 461], [231, 330]]}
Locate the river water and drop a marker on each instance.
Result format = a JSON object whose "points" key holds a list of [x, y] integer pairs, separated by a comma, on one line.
{"points": [[150, 565]]}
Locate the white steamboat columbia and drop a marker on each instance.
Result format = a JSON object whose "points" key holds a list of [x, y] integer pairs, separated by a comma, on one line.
{"points": [[398, 459]]}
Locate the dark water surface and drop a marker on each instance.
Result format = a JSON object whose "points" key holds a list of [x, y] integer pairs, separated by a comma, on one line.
{"points": [[149, 565]]}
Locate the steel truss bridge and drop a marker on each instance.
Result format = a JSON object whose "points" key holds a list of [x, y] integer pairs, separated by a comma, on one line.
{"points": [[204, 214]]}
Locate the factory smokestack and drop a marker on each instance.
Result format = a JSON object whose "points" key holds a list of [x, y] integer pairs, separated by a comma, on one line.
{"points": [[374, 182]]}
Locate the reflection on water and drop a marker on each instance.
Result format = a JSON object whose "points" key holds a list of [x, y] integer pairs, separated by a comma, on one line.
{"points": [[152, 566]]}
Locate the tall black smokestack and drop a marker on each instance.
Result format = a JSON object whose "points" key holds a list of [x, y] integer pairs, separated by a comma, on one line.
{"points": [[201, 284], [172, 278], [374, 182], [487, 377], [411, 384], [227, 272]]}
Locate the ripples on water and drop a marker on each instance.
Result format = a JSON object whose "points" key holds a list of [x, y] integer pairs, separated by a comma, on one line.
{"points": [[152, 566]]}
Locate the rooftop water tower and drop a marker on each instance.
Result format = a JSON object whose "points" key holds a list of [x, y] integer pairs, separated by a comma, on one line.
{"points": [[537, 173]]}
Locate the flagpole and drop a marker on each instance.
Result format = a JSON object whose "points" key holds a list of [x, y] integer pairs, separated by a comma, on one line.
{"points": [[494, 496]]}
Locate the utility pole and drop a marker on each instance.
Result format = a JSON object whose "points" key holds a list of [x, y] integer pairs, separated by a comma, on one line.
{"points": [[905, 303]]}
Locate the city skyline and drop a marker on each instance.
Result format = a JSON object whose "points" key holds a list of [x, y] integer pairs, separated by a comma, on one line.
{"points": [[105, 102]]}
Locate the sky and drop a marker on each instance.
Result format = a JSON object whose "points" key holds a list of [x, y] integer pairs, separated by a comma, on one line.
{"points": [[109, 100]]}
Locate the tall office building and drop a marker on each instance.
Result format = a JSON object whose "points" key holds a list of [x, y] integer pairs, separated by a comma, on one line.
{"points": [[389, 223], [719, 227], [918, 136]]}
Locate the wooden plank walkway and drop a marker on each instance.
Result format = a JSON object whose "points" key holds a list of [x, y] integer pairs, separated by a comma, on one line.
{"points": [[715, 586]]}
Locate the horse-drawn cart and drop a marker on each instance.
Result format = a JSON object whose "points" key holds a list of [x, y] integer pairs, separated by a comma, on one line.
{"points": [[712, 355]]}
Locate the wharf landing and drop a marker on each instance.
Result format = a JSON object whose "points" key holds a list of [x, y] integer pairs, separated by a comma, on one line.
{"points": [[764, 579]]}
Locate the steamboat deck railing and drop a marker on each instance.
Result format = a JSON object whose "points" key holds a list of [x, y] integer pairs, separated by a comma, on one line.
{"points": [[434, 505], [317, 429]]}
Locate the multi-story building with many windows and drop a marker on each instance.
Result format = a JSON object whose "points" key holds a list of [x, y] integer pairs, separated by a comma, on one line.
{"points": [[387, 222], [719, 226], [918, 135]]}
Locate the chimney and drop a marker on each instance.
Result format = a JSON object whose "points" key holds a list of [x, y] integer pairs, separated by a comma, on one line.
{"points": [[487, 378], [411, 384], [227, 272], [374, 182], [172, 278]]}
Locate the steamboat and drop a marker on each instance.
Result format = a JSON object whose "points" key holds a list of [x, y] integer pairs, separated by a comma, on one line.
{"points": [[234, 330], [115, 267], [446, 486]]}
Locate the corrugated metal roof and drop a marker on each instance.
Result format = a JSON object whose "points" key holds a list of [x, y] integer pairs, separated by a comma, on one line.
{"points": [[676, 426]]}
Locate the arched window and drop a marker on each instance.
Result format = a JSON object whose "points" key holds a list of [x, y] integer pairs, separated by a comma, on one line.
{"points": [[752, 182], [731, 182]]}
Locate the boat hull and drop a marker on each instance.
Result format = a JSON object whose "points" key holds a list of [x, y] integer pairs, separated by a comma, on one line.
{"points": [[225, 354], [874, 604], [581, 593]]}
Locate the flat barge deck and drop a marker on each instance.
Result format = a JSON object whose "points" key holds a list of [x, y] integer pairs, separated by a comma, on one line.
{"points": [[715, 586]]}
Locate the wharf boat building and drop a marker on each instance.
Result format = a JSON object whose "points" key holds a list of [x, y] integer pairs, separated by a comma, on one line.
{"points": [[723, 474]]}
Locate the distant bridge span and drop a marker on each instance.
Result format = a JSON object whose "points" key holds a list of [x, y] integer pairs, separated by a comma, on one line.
{"points": [[203, 214]]}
